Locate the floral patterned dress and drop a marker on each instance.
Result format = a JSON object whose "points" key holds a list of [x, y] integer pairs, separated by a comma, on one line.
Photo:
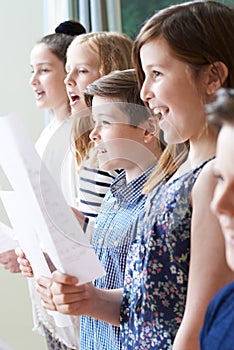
{"points": [[157, 267]]}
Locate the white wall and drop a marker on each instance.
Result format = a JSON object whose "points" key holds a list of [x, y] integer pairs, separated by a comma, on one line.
{"points": [[21, 24], [19, 29]]}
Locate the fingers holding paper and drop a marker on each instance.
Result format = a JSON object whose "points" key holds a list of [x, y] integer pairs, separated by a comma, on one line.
{"points": [[65, 296], [24, 263], [44, 290]]}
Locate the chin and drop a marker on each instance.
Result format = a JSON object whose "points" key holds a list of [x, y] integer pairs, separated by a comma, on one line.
{"points": [[108, 165], [40, 105]]}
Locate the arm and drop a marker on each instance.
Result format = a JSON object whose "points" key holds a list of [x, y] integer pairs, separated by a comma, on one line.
{"points": [[9, 260], [66, 297], [208, 269]]}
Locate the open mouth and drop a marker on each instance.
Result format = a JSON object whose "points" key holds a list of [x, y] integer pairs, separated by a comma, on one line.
{"points": [[39, 94], [160, 112], [159, 116], [74, 99]]}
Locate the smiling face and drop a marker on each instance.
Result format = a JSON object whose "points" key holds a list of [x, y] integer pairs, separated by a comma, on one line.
{"points": [[82, 69], [47, 80], [223, 200], [119, 145], [171, 90]]}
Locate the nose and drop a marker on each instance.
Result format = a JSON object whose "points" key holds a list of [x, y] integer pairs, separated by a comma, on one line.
{"points": [[146, 92], [223, 201], [70, 80], [34, 79], [95, 135]]}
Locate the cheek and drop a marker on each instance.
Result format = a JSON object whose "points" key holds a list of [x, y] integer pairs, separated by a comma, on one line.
{"points": [[215, 207], [58, 92], [86, 80], [56, 84]]}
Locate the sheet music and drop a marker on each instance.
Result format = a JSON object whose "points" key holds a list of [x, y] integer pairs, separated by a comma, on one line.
{"points": [[31, 247], [38, 210]]}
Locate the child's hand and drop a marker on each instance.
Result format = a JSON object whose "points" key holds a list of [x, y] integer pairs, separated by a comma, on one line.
{"points": [[44, 290], [69, 298], [9, 260], [24, 263]]}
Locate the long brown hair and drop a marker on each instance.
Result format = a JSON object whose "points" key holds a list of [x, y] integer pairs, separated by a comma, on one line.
{"points": [[199, 33]]}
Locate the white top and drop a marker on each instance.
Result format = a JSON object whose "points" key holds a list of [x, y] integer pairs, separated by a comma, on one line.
{"points": [[83, 190], [54, 148]]}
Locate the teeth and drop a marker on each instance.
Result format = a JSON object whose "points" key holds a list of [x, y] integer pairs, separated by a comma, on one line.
{"points": [[156, 111]]}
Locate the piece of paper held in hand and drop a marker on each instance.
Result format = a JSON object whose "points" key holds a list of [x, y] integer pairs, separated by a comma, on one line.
{"points": [[7, 239], [31, 246], [44, 218]]}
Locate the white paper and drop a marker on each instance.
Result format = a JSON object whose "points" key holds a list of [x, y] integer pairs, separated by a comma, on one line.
{"points": [[7, 241], [31, 247], [39, 212], [27, 237]]}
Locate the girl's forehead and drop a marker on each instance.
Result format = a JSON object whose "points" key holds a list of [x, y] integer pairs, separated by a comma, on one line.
{"points": [[42, 53], [82, 50]]}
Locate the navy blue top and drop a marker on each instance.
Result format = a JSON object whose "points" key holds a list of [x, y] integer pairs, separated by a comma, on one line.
{"points": [[218, 328]]}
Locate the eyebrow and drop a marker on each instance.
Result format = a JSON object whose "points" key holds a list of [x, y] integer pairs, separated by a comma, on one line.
{"points": [[101, 114], [42, 64]]}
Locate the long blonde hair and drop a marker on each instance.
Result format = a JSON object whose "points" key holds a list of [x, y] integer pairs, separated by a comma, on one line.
{"points": [[114, 51]]}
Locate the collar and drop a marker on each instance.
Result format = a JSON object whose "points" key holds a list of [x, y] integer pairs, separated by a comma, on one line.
{"points": [[133, 190]]}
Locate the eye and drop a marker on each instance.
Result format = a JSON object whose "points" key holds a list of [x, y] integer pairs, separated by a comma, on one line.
{"points": [[105, 122], [82, 71], [156, 74], [101, 123]]}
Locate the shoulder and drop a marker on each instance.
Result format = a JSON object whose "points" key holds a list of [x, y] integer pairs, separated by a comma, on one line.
{"points": [[206, 182]]}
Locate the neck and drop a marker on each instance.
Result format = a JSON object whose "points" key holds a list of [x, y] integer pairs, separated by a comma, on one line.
{"points": [[62, 113], [149, 158], [201, 149], [204, 147]]}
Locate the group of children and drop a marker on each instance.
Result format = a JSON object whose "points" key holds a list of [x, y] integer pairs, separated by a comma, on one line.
{"points": [[159, 221]]}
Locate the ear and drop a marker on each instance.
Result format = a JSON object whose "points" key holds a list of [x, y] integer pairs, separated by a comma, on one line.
{"points": [[151, 129], [217, 75]]}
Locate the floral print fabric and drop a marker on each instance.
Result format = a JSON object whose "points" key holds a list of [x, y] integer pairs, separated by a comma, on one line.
{"points": [[157, 267]]}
